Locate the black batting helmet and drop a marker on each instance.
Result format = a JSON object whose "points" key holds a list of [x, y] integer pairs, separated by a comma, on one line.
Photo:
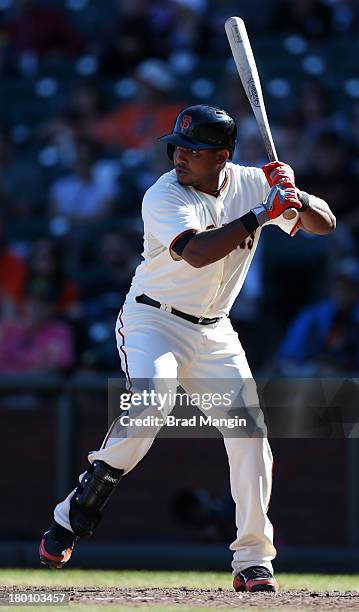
{"points": [[202, 127]]}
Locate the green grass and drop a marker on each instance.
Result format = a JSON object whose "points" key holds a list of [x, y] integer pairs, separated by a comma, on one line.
{"points": [[100, 578], [144, 579]]}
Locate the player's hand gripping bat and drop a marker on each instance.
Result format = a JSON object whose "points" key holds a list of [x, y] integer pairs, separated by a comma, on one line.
{"points": [[247, 70]]}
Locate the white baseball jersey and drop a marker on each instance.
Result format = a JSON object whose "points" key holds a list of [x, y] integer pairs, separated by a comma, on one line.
{"points": [[170, 210], [160, 348]]}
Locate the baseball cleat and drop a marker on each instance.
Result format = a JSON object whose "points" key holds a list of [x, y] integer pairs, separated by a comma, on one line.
{"points": [[56, 546], [254, 579]]}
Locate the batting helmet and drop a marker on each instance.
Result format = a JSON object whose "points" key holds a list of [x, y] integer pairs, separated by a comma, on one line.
{"points": [[202, 127]]}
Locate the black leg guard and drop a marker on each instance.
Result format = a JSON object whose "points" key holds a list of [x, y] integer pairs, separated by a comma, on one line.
{"points": [[90, 497]]}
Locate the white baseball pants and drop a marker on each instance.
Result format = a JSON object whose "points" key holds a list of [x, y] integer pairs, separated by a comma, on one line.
{"points": [[155, 344]]}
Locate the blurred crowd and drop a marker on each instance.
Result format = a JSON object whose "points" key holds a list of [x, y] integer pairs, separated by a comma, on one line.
{"points": [[87, 87]]}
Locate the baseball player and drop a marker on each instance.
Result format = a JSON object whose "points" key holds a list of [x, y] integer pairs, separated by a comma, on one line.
{"points": [[202, 223]]}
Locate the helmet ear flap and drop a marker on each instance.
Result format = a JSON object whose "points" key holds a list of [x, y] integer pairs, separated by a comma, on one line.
{"points": [[170, 150]]}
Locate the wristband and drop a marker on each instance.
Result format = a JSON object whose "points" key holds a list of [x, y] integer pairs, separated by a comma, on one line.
{"points": [[261, 214], [303, 198], [250, 221]]}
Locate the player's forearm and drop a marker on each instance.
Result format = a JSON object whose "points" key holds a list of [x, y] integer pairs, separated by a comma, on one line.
{"points": [[318, 218], [214, 244]]}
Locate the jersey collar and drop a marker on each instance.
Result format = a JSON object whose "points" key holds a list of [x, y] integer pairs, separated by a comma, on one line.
{"points": [[222, 177]]}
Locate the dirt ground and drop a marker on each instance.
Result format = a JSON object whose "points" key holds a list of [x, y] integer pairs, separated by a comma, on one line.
{"points": [[210, 598]]}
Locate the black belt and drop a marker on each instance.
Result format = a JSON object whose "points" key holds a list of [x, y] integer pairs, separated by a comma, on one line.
{"points": [[144, 299]]}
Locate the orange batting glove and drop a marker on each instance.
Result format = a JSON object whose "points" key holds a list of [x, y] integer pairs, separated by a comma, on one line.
{"points": [[277, 201], [279, 173]]}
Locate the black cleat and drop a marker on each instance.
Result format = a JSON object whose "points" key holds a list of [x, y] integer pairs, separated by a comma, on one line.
{"points": [[254, 579], [56, 546]]}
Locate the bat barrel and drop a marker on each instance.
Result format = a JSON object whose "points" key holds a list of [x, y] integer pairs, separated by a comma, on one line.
{"points": [[247, 70]]}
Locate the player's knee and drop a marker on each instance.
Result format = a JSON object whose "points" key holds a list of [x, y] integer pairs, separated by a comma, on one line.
{"points": [[95, 489]]}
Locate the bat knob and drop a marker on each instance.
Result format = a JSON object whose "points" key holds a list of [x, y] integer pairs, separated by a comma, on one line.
{"points": [[290, 213]]}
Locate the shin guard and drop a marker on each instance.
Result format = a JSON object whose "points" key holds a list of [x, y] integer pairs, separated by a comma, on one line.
{"points": [[95, 489]]}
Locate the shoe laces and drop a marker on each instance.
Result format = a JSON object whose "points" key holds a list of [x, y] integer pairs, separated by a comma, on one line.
{"points": [[256, 571]]}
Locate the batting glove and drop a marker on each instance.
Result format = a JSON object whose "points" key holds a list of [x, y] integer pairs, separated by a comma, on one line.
{"points": [[278, 173], [276, 202]]}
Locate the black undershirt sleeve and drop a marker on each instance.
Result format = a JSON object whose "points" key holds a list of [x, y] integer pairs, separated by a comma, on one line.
{"points": [[179, 245]]}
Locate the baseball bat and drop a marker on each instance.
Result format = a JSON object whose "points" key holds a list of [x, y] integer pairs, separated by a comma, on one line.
{"points": [[247, 70]]}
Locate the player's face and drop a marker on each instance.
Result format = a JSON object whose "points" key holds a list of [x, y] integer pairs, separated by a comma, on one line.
{"points": [[199, 168]]}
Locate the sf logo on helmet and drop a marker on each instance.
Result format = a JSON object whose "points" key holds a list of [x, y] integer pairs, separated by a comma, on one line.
{"points": [[186, 122]]}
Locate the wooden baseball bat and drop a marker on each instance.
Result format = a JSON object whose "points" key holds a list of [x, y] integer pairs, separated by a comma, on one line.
{"points": [[247, 70]]}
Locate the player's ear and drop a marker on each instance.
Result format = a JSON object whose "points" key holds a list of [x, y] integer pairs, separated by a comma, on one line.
{"points": [[222, 156]]}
